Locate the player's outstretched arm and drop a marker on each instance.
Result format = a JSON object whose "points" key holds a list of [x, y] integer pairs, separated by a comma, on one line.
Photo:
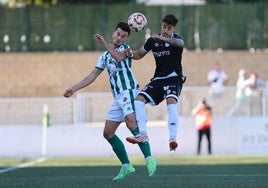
{"points": [[85, 82], [137, 54]]}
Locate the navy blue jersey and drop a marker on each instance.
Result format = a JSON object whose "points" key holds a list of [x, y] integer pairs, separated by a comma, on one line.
{"points": [[167, 57]]}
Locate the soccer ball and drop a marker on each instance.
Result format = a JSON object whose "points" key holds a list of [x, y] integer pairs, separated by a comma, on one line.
{"points": [[137, 22]]}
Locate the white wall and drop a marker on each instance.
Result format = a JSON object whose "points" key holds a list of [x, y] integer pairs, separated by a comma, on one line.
{"points": [[230, 136]]}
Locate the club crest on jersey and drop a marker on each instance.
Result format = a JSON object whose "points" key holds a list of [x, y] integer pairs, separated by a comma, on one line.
{"points": [[112, 67], [156, 44], [166, 44], [166, 87]]}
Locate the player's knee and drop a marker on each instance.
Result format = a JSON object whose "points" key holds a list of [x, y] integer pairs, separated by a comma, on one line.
{"points": [[107, 135], [141, 98], [171, 100], [131, 121]]}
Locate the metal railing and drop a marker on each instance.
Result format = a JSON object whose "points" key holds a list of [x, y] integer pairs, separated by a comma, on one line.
{"points": [[92, 107]]}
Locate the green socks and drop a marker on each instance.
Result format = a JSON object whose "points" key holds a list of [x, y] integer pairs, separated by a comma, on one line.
{"points": [[145, 147], [119, 149]]}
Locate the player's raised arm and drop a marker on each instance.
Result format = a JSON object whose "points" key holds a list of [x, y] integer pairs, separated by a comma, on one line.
{"points": [[118, 56], [178, 42]]}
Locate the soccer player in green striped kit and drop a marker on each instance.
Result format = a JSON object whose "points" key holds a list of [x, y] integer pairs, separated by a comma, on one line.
{"points": [[125, 89]]}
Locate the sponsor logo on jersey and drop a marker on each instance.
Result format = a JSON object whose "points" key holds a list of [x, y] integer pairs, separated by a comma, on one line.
{"points": [[162, 53]]}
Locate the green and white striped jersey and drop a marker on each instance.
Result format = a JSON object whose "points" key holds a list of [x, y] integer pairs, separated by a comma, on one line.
{"points": [[120, 74]]}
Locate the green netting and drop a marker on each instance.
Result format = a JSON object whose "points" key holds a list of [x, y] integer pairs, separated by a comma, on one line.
{"points": [[71, 28]]}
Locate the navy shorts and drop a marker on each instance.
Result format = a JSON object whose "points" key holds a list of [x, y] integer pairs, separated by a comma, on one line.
{"points": [[158, 90]]}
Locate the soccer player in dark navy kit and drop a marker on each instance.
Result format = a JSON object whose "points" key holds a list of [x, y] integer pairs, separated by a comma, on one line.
{"points": [[166, 84]]}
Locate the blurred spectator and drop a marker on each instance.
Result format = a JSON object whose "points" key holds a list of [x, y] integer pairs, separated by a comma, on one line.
{"points": [[240, 92], [203, 120], [253, 91], [217, 79], [254, 85]]}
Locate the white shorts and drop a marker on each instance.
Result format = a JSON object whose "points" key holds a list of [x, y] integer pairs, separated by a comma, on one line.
{"points": [[122, 106]]}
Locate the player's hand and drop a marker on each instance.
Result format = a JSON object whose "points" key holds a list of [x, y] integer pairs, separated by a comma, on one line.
{"points": [[68, 92], [155, 36], [129, 52], [99, 38]]}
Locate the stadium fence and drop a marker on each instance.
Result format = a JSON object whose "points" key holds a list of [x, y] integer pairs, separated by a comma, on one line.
{"points": [[92, 107], [71, 28]]}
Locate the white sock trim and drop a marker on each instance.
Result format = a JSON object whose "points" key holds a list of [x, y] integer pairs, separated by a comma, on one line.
{"points": [[173, 118], [141, 116]]}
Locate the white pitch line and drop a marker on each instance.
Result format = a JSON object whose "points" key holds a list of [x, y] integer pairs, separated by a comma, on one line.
{"points": [[23, 165]]}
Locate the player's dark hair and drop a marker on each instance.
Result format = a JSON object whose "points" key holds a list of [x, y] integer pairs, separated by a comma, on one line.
{"points": [[124, 26], [170, 19]]}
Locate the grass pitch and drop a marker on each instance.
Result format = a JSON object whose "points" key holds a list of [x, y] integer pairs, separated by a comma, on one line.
{"points": [[173, 172]]}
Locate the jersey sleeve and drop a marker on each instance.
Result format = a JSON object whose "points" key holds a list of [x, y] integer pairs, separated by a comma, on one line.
{"points": [[148, 44], [100, 63], [179, 38]]}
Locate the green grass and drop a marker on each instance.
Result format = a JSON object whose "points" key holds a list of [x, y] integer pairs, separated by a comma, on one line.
{"points": [[173, 172]]}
